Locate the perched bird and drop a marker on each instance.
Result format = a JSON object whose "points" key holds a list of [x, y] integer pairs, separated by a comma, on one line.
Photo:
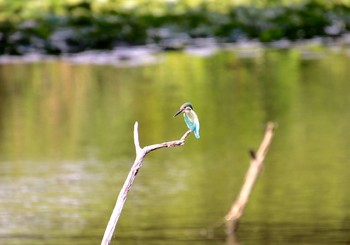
{"points": [[190, 117]]}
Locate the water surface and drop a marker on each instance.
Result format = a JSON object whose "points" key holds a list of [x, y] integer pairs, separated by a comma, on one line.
{"points": [[66, 146]]}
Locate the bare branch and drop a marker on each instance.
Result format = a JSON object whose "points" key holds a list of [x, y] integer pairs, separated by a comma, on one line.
{"points": [[168, 144], [140, 155], [256, 163], [186, 135]]}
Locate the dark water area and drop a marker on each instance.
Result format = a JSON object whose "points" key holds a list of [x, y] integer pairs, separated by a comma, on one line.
{"points": [[66, 147]]}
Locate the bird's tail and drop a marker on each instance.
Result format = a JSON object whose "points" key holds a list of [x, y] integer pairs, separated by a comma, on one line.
{"points": [[196, 133]]}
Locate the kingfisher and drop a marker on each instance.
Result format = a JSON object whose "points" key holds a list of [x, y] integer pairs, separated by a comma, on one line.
{"points": [[190, 117]]}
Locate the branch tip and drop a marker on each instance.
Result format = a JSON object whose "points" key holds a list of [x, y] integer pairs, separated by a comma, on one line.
{"points": [[183, 138], [271, 126], [136, 137]]}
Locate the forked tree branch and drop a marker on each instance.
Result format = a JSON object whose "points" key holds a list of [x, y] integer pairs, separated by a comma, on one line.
{"points": [[256, 163], [140, 155]]}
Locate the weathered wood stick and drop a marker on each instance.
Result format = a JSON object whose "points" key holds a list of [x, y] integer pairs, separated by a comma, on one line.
{"points": [[140, 155], [256, 163]]}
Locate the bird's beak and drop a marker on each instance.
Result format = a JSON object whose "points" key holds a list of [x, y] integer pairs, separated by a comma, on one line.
{"points": [[177, 113]]}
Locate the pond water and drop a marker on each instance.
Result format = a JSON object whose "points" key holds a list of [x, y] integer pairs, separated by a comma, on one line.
{"points": [[66, 147]]}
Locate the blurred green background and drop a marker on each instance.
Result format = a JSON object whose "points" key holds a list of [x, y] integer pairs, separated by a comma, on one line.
{"points": [[76, 75]]}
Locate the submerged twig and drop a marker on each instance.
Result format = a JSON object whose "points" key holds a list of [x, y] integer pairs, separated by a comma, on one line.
{"points": [[256, 163], [140, 155]]}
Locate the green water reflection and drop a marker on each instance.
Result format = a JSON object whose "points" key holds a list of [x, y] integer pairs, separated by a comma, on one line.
{"points": [[66, 148]]}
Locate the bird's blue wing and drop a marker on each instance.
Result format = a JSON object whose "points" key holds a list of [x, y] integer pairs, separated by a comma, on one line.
{"points": [[192, 124]]}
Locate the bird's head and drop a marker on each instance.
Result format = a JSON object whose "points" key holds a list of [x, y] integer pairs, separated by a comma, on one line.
{"points": [[185, 107]]}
